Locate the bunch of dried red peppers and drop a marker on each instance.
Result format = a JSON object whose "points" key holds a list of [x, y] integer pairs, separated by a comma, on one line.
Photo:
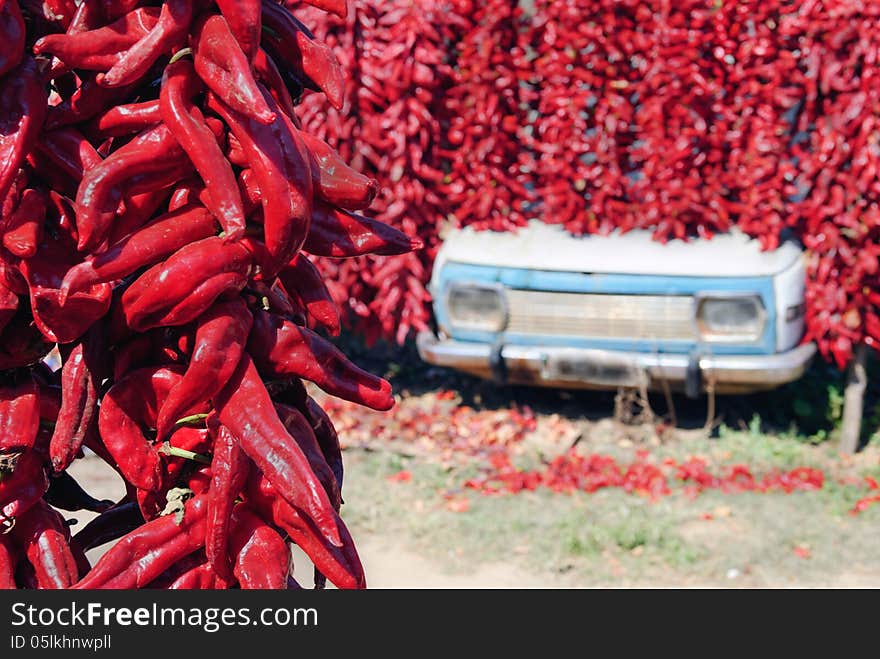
{"points": [[161, 207]]}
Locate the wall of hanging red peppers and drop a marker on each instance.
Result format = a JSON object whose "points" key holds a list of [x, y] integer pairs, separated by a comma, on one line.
{"points": [[685, 118]]}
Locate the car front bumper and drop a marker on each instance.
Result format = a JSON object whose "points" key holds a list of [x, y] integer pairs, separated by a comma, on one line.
{"points": [[609, 369]]}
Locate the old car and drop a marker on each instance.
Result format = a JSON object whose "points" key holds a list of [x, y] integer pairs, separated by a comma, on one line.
{"points": [[543, 307]]}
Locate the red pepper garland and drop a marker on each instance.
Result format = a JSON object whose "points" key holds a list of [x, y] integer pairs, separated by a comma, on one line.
{"points": [[485, 119], [685, 118], [160, 204], [837, 173], [399, 51]]}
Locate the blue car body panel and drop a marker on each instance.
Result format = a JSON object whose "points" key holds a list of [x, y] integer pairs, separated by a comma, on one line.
{"points": [[574, 282]]}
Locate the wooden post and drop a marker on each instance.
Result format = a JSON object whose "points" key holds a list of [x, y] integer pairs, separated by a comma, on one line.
{"points": [[854, 401]]}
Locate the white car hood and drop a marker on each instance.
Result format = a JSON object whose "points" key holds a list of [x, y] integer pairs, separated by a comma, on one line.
{"points": [[544, 247]]}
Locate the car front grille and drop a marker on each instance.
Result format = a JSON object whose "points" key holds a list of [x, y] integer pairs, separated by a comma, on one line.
{"points": [[601, 316]]}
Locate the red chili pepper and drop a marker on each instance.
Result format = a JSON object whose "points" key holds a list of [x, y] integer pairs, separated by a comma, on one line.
{"points": [[128, 407], [340, 234], [146, 246], [99, 49], [245, 408], [19, 416], [168, 33], [297, 50], [336, 182], [83, 370], [280, 165], [43, 537], [24, 110], [260, 554], [126, 119], [225, 69], [220, 339], [184, 119], [229, 472], [340, 564], [180, 289], [61, 320], [143, 554], [302, 280], [282, 349], [153, 160], [23, 229], [300, 429]]}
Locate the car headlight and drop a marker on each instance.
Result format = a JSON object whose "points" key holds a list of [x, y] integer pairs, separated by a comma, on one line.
{"points": [[476, 307], [738, 318]]}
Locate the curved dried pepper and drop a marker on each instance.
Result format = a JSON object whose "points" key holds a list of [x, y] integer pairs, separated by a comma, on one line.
{"points": [[180, 289], [300, 429], [82, 372], [143, 554], [24, 110], [43, 537], [282, 349], [298, 51], [220, 340], [146, 246], [335, 182], [229, 471], [280, 165], [225, 69], [245, 408], [260, 554], [128, 407], [19, 416], [340, 564], [184, 119], [100, 49], [153, 160], [301, 279], [126, 119], [339, 234], [168, 33]]}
